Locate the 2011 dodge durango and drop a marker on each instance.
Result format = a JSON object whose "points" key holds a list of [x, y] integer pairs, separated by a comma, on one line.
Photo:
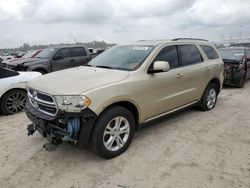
{"points": [[102, 103]]}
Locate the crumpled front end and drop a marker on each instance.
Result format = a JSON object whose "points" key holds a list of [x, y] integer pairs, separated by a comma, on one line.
{"points": [[233, 73], [70, 127]]}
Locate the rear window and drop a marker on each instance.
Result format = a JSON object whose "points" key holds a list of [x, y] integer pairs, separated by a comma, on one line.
{"points": [[232, 54], [210, 52], [189, 54], [78, 52]]}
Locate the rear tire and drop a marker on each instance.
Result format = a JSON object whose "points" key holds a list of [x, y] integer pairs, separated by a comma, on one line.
{"points": [[209, 98], [13, 101], [242, 82], [113, 133]]}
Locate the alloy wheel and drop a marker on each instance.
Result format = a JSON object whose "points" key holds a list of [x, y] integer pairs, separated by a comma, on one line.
{"points": [[15, 102], [211, 98], [116, 133]]}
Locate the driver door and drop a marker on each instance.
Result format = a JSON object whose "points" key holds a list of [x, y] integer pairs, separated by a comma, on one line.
{"points": [[166, 88], [61, 59]]}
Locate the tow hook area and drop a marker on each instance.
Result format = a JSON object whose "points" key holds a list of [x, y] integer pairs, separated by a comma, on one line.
{"points": [[50, 146], [64, 130], [31, 128]]}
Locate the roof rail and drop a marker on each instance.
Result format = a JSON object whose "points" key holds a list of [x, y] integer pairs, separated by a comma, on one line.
{"points": [[176, 39]]}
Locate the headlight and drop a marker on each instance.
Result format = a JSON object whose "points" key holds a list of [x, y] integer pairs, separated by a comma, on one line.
{"points": [[72, 103]]}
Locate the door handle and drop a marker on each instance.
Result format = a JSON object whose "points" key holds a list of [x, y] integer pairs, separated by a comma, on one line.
{"points": [[72, 60], [178, 75]]}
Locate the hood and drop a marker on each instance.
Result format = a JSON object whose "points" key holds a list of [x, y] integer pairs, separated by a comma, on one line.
{"points": [[26, 61], [20, 60], [75, 81], [28, 76]]}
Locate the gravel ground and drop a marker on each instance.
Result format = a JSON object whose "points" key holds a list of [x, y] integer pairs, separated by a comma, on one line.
{"points": [[189, 149]]}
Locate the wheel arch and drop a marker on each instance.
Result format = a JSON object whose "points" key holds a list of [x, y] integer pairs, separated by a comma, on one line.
{"points": [[40, 69], [215, 81], [130, 106]]}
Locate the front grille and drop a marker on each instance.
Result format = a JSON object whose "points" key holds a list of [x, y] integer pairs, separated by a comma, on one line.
{"points": [[42, 102], [45, 97]]}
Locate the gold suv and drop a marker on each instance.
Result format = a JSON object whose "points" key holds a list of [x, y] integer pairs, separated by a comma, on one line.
{"points": [[101, 104]]}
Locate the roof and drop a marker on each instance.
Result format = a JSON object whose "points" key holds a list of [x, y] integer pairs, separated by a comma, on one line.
{"points": [[163, 41], [64, 46]]}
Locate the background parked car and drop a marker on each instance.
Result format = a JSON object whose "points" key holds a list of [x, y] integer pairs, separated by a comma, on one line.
{"points": [[32, 53], [54, 59], [236, 65], [27, 57], [6, 58], [12, 90], [240, 44]]}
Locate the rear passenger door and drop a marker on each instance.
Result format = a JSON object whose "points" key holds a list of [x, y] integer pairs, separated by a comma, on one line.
{"points": [[79, 56], [61, 59]]}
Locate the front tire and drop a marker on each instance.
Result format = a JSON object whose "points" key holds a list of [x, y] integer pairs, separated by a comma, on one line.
{"points": [[209, 98], [13, 101], [113, 133]]}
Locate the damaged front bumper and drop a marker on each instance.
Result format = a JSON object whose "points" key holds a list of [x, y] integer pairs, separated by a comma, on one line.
{"points": [[234, 78], [72, 127]]}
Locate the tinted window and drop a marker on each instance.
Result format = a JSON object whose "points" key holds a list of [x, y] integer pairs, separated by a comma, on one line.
{"points": [[65, 52], [78, 52], [210, 52], [189, 54], [170, 55], [232, 54], [248, 53]]}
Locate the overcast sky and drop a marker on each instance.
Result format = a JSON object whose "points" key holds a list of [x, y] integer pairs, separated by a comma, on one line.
{"points": [[63, 21]]}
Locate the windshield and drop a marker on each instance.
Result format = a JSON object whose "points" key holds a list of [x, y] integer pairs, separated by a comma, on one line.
{"points": [[46, 53], [122, 57], [232, 54], [30, 54]]}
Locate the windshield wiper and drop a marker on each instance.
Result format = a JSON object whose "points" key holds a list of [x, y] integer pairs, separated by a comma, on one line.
{"points": [[104, 66]]}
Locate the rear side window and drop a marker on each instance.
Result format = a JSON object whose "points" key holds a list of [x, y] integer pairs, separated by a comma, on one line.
{"points": [[75, 52], [64, 52], [210, 52], [170, 55], [189, 54]]}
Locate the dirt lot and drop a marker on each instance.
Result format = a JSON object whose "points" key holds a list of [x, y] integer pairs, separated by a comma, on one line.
{"points": [[189, 149]]}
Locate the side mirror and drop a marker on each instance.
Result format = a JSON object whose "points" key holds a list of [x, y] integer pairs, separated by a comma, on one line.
{"points": [[159, 66], [57, 57]]}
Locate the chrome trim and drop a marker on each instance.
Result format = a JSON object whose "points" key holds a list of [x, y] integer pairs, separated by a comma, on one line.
{"points": [[171, 111], [35, 98]]}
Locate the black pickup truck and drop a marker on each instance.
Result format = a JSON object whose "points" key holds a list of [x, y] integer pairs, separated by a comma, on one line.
{"points": [[53, 59]]}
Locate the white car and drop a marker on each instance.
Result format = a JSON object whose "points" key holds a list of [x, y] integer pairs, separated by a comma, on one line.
{"points": [[7, 58], [13, 90]]}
